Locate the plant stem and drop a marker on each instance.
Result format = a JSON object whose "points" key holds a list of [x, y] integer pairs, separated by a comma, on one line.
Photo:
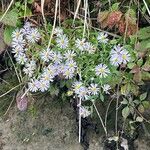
{"points": [[117, 103], [79, 105], [100, 118]]}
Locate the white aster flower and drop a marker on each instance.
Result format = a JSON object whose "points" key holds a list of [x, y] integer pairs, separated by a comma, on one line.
{"points": [[93, 89], [62, 41], [47, 75], [71, 65], [84, 112], [46, 55], [52, 69], [44, 85], [21, 59], [58, 31], [82, 93], [102, 38], [89, 48], [29, 68], [69, 54], [17, 50], [33, 85], [118, 55], [18, 43], [115, 60], [125, 56], [33, 35], [17, 34], [57, 58], [80, 44], [26, 28], [76, 86], [102, 70], [106, 88], [116, 50], [68, 73]]}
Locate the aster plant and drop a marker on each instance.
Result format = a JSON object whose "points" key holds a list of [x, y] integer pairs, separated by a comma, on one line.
{"points": [[90, 68]]}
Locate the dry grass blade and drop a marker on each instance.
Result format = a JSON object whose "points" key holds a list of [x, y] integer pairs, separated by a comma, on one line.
{"points": [[42, 9], [77, 9], [146, 7], [85, 16], [54, 24], [7, 10]]}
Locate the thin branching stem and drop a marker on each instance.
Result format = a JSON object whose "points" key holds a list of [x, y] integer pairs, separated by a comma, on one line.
{"points": [[101, 120], [54, 24]]}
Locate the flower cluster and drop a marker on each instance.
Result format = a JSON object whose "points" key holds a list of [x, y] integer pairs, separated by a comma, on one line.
{"points": [[57, 65], [42, 64], [84, 46], [20, 39], [84, 92], [119, 55]]}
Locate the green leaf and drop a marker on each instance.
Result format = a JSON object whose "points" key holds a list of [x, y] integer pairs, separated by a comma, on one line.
{"points": [[141, 108], [125, 102], [130, 65], [143, 96], [7, 34], [148, 45], [144, 33], [146, 104], [145, 75], [125, 112], [136, 102], [140, 62], [125, 89], [101, 97], [10, 18], [115, 6], [30, 1]]}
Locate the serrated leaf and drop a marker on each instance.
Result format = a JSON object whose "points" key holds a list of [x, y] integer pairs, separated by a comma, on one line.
{"points": [[144, 33], [125, 89], [125, 112], [10, 18], [145, 76], [7, 35], [146, 104], [135, 89], [143, 96], [141, 108]]}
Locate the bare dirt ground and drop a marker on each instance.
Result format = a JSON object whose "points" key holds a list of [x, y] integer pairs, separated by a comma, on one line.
{"points": [[50, 128]]}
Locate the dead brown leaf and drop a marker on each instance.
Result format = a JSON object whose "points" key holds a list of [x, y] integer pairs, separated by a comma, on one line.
{"points": [[37, 7]]}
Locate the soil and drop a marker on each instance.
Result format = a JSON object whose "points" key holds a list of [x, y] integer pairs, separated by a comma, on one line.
{"points": [[50, 128]]}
